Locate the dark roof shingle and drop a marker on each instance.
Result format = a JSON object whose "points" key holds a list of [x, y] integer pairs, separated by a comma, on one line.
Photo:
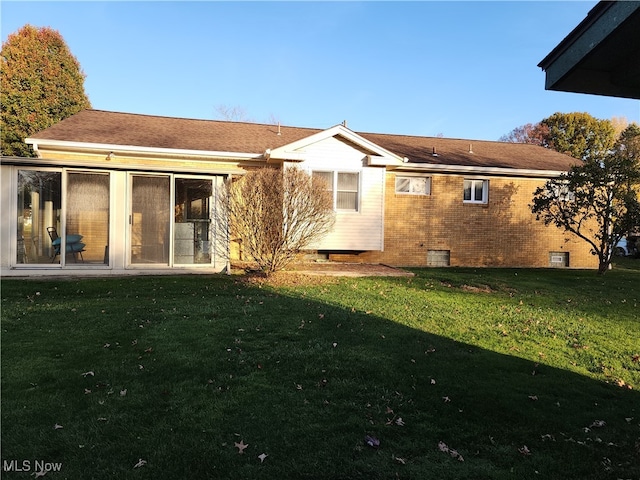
{"points": [[127, 129]]}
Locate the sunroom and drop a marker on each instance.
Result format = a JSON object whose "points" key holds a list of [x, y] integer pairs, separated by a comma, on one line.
{"points": [[98, 220]]}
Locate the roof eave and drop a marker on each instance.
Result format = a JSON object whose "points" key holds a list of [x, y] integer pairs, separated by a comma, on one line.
{"points": [[138, 150], [475, 170]]}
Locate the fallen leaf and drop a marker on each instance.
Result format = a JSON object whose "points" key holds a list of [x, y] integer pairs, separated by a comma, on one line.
{"points": [[140, 463], [123, 392], [446, 399], [598, 423], [524, 450], [57, 427], [399, 460], [372, 441], [41, 473], [86, 374], [262, 456], [454, 453], [241, 446]]}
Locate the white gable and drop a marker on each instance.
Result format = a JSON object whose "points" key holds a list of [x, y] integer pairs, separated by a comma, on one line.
{"points": [[353, 230], [297, 151]]}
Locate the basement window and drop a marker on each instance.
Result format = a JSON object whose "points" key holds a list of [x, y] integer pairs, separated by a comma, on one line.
{"points": [[559, 259]]}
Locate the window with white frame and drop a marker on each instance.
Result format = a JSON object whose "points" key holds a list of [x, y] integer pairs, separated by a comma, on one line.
{"points": [[413, 185], [476, 191], [562, 193], [345, 188]]}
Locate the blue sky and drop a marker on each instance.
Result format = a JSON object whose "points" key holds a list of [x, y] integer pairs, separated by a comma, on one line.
{"points": [[457, 69]]}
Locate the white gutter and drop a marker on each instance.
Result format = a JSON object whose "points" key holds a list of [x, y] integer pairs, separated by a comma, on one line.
{"points": [[115, 165], [502, 171], [133, 149]]}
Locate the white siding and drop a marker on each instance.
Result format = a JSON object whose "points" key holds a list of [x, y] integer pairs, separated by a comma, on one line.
{"points": [[361, 230]]}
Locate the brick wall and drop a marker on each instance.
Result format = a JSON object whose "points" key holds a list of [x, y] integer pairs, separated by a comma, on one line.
{"points": [[501, 233]]}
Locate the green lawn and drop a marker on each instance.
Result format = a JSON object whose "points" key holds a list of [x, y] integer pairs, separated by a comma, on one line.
{"points": [[457, 373]]}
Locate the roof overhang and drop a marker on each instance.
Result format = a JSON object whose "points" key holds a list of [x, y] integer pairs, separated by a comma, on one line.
{"points": [[134, 150], [479, 171], [601, 56], [116, 165]]}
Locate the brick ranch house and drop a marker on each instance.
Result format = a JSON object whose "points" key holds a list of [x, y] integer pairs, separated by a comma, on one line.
{"points": [[137, 193]]}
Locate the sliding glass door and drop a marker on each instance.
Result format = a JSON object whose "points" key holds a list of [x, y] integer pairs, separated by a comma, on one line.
{"points": [[87, 226], [192, 221], [150, 219], [39, 216]]}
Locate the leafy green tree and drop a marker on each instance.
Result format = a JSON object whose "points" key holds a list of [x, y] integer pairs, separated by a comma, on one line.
{"points": [[579, 135], [629, 142], [42, 84], [598, 199], [576, 134]]}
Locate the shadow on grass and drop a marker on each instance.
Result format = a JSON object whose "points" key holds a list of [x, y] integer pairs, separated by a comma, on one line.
{"points": [[176, 372]]}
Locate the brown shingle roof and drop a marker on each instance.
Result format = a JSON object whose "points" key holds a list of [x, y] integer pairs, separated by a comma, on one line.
{"points": [[126, 129], [114, 128], [472, 153]]}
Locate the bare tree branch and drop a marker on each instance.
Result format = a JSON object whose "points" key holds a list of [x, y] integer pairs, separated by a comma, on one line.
{"points": [[276, 213]]}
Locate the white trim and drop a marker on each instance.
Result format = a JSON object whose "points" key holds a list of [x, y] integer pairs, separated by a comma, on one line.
{"points": [[173, 167], [380, 161], [134, 149], [461, 169], [485, 191]]}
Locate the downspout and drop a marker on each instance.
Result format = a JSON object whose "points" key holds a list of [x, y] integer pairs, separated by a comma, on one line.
{"points": [[228, 232]]}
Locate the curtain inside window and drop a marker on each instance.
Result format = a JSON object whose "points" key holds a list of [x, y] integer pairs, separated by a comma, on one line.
{"points": [[347, 191], [150, 225], [88, 216]]}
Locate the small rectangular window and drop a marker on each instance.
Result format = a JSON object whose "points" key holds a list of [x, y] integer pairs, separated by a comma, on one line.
{"points": [[559, 259], [347, 192], [438, 258], [476, 191], [345, 188], [413, 185]]}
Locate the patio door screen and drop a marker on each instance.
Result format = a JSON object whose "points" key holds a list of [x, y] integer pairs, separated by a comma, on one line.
{"points": [[150, 219], [87, 227]]}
